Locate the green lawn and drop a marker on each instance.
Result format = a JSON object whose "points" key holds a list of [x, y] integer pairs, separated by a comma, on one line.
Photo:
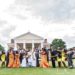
{"points": [[37, 71]]}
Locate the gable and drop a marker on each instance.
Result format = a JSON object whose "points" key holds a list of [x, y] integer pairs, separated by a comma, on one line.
{"points": [[29, 36]]}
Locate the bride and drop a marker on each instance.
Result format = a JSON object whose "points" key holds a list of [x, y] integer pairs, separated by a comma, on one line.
{"points": [[24, 60], [31, 59]]}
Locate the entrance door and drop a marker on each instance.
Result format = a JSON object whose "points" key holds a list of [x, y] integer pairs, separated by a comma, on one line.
{"points": [[19, 45], [37, 45], [29, 46]]}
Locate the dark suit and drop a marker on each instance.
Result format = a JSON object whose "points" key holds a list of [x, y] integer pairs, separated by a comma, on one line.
{"points": [[37, 57], [53, 57], [70, 62]]}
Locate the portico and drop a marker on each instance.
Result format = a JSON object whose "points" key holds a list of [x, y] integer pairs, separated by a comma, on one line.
{"points": [[28, 41]]}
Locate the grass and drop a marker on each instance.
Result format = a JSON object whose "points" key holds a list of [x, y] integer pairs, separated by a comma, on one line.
{"points": [[36, 71]]}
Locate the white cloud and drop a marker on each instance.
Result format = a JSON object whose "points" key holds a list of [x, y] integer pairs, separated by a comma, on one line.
{"points": [[55, 10], [48, 18], [6, 34], [70, 40]]}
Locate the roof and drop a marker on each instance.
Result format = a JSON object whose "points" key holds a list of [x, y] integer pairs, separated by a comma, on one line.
{"points": [[29, 33]]}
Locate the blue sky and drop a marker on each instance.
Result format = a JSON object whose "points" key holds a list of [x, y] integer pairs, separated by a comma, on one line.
{"points": [[47, 18]]}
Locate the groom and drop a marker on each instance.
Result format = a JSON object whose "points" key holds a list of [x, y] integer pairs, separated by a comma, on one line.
{"points": [[37, 56]]}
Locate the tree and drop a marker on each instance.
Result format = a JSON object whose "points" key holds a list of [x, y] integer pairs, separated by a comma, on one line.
{"points": [[1, 47], [58, 43]]}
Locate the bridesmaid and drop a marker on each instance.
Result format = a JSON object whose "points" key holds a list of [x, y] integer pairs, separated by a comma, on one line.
{"points": [[3, 59], [11, 59], [44, 63], [17, 60]]}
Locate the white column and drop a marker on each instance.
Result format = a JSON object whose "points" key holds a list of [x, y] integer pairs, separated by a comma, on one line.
{"points": [[41, 44], [32, 44], [24, 45], [15, 46]]}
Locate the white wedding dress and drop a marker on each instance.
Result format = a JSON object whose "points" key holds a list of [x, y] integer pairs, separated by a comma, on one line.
{"points": [[32, 59], [24, 64]]}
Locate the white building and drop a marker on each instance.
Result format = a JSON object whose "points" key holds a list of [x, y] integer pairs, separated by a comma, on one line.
{"points": [[27, 41]]}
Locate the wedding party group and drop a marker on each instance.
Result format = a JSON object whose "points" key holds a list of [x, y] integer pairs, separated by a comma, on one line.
{"points": [[45, 58]]}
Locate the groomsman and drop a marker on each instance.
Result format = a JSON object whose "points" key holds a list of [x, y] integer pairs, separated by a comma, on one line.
{"points": [[37, 56], [53, 57], [70, 54], [21, 51]]}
